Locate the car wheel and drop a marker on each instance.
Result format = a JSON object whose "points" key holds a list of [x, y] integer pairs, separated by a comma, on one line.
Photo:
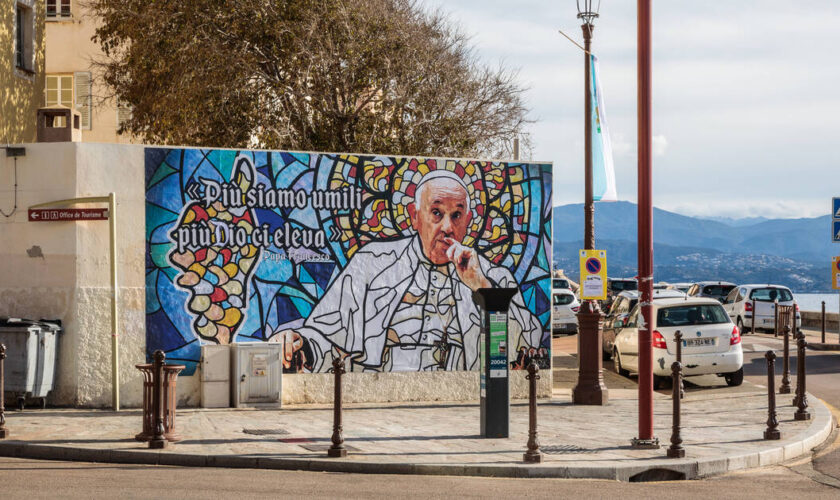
{"points": [[617, 364], [740, 325], [660, 382], [734, 379]]}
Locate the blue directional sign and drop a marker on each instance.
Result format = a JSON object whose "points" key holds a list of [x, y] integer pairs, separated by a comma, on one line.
{"points": [[835, 226], [835, 208]]}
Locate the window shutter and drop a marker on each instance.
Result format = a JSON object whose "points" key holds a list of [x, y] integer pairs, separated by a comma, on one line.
{"points": [[82, 81]]}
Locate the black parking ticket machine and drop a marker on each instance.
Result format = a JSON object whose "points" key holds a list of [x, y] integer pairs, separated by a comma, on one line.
{"points": [[494, 347]]}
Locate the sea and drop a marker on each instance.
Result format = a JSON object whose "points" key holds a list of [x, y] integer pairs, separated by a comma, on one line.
{"points": [[812, 301]]}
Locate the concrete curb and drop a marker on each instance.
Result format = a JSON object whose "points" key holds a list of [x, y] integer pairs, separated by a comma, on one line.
{"points": [[815, 346], [643, 469]]}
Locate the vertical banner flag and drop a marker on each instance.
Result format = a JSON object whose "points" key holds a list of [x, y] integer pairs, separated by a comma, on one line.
{"points": [[603, 172]]}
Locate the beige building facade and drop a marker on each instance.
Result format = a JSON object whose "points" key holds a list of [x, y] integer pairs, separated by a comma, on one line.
{"points": [[21, 69], [70, 75]]}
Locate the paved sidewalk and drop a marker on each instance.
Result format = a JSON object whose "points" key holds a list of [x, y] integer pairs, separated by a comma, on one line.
{"points": [[721, 432]]}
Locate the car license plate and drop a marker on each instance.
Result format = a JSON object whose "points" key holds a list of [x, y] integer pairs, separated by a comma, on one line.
{"points": [[697, 342]]}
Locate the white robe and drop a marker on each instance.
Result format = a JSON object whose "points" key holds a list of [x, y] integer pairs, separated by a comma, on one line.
{"points": [[356, 311]]}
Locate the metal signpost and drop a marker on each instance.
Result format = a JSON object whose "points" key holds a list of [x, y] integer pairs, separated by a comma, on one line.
{"points": [[495, 400], [57, 211]]}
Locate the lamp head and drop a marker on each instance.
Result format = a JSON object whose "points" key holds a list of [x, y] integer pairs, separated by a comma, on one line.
{"points": [[588, 10]]}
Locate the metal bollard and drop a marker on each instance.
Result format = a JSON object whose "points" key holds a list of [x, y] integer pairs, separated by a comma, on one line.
{"points": [[752, 330], [772, 431], [533, 455], [801, 400], [678, 340], [775, 318], [337, 450], [4, 432], [785, 387], [158, 440], [676, 450], [822, 323]]}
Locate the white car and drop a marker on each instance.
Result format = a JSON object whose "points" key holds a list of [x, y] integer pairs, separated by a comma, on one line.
{"points": [[739, 305], [564, 308], [711, 343]]}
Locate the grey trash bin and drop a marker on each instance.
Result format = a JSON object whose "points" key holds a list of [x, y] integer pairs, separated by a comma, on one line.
{"points": [[30, 358]]}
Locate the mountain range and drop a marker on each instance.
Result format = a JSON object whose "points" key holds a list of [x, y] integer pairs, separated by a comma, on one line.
{"points": [[792, 252]]}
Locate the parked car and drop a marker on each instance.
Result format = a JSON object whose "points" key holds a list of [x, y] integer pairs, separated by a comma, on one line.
{"points": [[617, 285], [712, 289], [739, 305], [617, 317], [560, 283], [564, 307], [711, 343], [683, 287]]}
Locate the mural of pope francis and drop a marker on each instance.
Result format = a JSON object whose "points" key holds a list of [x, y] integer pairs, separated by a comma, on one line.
{"points": [[406, 305]]}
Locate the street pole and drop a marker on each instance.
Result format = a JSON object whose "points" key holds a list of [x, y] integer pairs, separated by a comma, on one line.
{"points": [[645, 233], [590, 388]]}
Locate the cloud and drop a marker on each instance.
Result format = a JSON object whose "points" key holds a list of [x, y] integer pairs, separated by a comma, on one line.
{"points": [[660, 144]]}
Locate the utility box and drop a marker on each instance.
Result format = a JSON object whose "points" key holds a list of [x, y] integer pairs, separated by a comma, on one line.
{"points": [[257, 373], [30, 358], [215, 376]]}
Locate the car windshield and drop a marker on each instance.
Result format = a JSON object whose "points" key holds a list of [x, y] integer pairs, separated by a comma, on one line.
{"points": [[620, 286], [692, 314], [560, 283], [562, 299], [717, 290], [770, 294]]}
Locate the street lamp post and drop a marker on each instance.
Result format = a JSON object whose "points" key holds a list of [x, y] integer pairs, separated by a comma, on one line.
{"points": [[590, 388]]}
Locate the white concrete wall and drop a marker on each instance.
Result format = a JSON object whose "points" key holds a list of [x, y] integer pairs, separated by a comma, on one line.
{"points": [[62, 270]]}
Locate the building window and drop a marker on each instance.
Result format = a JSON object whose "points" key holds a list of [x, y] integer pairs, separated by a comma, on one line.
{"points": [[57, 9], [24, 49], [71, 91], [59, 93]]}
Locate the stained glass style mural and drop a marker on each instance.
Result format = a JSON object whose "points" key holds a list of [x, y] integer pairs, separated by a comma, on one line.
{"points": [[372, 258]]}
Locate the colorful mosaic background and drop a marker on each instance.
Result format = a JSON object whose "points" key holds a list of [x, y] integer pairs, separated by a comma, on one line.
{"points": [[247, 293]]}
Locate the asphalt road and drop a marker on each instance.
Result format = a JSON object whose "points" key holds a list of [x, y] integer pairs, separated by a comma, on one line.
{"points": [[32, 479]]}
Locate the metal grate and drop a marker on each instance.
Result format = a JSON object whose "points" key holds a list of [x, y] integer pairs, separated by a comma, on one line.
{"points": [[265, 432], [560, 449]]}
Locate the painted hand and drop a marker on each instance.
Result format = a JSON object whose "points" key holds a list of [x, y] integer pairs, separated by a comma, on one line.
{"points": [[217, 275], [466, 265]]}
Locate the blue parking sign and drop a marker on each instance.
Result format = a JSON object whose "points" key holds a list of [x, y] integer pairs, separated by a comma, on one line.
{"points": [[835, 234], [835, 208]]}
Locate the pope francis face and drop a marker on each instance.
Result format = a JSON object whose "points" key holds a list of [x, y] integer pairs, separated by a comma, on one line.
{"points": [[441, 217]]}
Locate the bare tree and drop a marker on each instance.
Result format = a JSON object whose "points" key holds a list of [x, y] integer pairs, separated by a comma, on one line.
{"points": [[380, 76]]}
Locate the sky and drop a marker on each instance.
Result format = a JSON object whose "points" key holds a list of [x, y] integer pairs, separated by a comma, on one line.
{"points": [[746, 97]]}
